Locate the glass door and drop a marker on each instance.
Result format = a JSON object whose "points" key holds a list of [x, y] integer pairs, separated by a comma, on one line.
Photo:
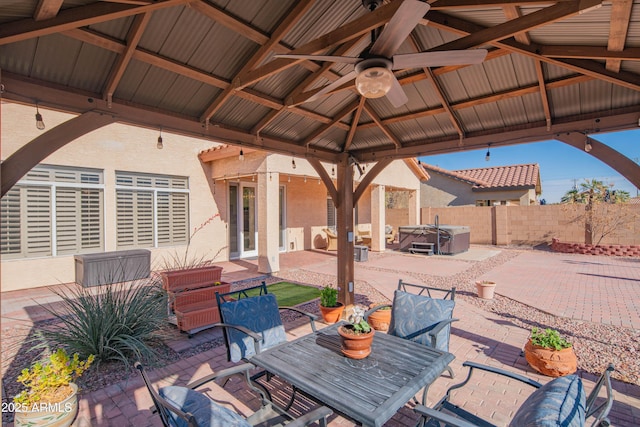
{"points": [[249, 232], [282, 220]]}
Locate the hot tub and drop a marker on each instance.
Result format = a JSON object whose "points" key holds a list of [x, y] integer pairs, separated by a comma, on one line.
{"points": [[453, 239]]}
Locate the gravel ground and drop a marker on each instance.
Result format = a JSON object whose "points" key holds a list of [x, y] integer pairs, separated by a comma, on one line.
{"points": [[593, 342]]}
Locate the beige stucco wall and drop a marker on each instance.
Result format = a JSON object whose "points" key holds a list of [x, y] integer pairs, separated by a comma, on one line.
{"points": [[126, 148], [531, 225], [441, 190], [114, 147]]}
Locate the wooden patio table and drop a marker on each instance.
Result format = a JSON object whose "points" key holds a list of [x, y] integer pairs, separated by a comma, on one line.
{"points": [[369, 391]]}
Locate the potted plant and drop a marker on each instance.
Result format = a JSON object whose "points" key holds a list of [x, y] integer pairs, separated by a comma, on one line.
{"points": [[380, 319], [51, 395], [330, 308], [549, 353], [485, 288], [357, 335]]}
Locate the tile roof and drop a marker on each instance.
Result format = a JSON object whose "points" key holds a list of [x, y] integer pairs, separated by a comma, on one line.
{"points": [[497, 177]]}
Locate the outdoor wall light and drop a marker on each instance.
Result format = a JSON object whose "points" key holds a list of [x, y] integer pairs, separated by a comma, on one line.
{"points": [[159, 145], [487, 157], [39, 121], [293, 163], [241, 156]]}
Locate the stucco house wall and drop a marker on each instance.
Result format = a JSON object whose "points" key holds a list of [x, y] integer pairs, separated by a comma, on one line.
{"points": [[441, 190], [115, 147], [119, 147]]}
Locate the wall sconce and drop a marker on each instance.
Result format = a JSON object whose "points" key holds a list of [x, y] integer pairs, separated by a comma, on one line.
{"points": [[39, 121], [333, 171], [293, 163], [487, 157], [159, 145], [241, 156]]}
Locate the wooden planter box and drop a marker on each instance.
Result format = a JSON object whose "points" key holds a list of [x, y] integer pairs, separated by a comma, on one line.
{"points": [[197, 316], [183, 300], [191, 278]]}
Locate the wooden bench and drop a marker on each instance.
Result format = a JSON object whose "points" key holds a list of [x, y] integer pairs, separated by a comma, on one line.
{"points": [[421, 248]]}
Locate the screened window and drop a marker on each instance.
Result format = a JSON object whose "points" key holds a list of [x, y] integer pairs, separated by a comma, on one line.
{"points": [[53, 211], [151, 210]]}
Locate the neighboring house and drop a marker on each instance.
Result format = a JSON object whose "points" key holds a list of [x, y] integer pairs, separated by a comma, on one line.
{"points": [[499, 185], [112, 190]]}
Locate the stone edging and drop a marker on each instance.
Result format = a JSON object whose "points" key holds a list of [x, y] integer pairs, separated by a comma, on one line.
{"points": [[583, 248]]}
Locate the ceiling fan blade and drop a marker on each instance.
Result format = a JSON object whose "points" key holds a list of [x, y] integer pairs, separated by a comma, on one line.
{"points": [[396, 94], [328, 88], [438, 59], [326, 58], [399, 27]]}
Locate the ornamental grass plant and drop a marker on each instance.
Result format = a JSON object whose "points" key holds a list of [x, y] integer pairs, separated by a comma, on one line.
{"points": [[117, 322]]}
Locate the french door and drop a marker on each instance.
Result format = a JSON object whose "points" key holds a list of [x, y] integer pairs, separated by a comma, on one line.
{"points": [[243, 223]]}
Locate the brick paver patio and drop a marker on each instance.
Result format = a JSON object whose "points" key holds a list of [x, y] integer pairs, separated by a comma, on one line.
{"points": [[532, 278]]}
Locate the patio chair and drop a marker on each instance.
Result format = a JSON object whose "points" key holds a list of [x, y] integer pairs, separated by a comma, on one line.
{"points": [[560, 402], [185, 407], [332, 239], [251, 324], [418, 315], [389, 234]]}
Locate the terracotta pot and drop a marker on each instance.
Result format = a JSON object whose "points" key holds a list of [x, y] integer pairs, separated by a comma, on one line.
{"points": [[485, 289], [331, 314], [550, 362], [355, 346], [380, 319], [59, 414]]}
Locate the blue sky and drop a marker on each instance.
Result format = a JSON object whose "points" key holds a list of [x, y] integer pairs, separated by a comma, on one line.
{"points": [[560, 164]]}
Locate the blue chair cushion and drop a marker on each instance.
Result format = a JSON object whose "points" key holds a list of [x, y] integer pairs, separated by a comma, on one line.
{"points": [[414, 316], [259, 314], [560, 402], [206, 412]]}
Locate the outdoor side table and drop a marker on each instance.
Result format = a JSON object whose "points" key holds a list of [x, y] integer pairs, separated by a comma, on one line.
{"points": [[369, 391]]}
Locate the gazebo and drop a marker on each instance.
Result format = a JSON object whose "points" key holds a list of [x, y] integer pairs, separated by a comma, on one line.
{"points": [[350, 82]]}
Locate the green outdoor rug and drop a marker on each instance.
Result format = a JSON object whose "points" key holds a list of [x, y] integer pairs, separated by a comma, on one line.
{"points": [[290, 294]]}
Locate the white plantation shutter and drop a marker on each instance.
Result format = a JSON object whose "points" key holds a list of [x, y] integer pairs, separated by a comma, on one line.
{"points": [[38, 221], [151, 210], [10, 222], [53, 211]]}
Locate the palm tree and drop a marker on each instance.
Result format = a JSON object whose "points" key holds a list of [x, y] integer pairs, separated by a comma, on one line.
{"points": [[571, 196]]}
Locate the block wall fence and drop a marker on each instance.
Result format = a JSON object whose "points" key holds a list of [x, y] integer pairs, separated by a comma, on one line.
{"points": [[530, 225]]}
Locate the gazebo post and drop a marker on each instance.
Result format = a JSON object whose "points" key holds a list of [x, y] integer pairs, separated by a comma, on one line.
{"points": [[344, 213]]}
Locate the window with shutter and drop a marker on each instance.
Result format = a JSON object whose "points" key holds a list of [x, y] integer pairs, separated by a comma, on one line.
{"points": [[53, 211], [152, 210]]}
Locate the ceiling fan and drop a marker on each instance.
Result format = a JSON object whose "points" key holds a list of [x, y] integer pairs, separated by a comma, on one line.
{"points": [[373, 69]]}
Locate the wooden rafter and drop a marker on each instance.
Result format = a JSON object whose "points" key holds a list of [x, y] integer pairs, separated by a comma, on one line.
{"points": [[376, 120], [77, 17], [544, 99], [291, 19], [338, 117], [349, 31], [47, 9], [133, 38], [618, 27], [354, 124]]}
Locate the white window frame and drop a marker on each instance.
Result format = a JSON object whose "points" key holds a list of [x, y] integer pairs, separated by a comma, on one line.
{"points": [[53, 186], [154, 190]]}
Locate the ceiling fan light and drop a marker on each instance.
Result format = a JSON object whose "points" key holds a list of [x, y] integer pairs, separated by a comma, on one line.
{"points": [[374, 82]]}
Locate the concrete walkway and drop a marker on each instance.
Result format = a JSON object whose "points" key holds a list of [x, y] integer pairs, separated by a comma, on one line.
{"points": [[532, 278]]}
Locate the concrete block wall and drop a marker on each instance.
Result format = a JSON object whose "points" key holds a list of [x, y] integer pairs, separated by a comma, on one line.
{"points": [[532, 225]]}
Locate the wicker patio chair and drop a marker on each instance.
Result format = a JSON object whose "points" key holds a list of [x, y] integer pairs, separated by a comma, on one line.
{"points": [[560, 402], [184, 406]]}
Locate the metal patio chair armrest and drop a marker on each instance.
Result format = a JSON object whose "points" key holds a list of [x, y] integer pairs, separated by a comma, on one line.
{"points": [[256, 337], [445, 419], [319, 414], [312, 317], [374, 309], [433, 333], [242, 369]]}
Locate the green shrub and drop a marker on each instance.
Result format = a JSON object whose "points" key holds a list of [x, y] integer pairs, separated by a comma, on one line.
{"points": [[549, 338], [113, 322], [329, 297]]}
